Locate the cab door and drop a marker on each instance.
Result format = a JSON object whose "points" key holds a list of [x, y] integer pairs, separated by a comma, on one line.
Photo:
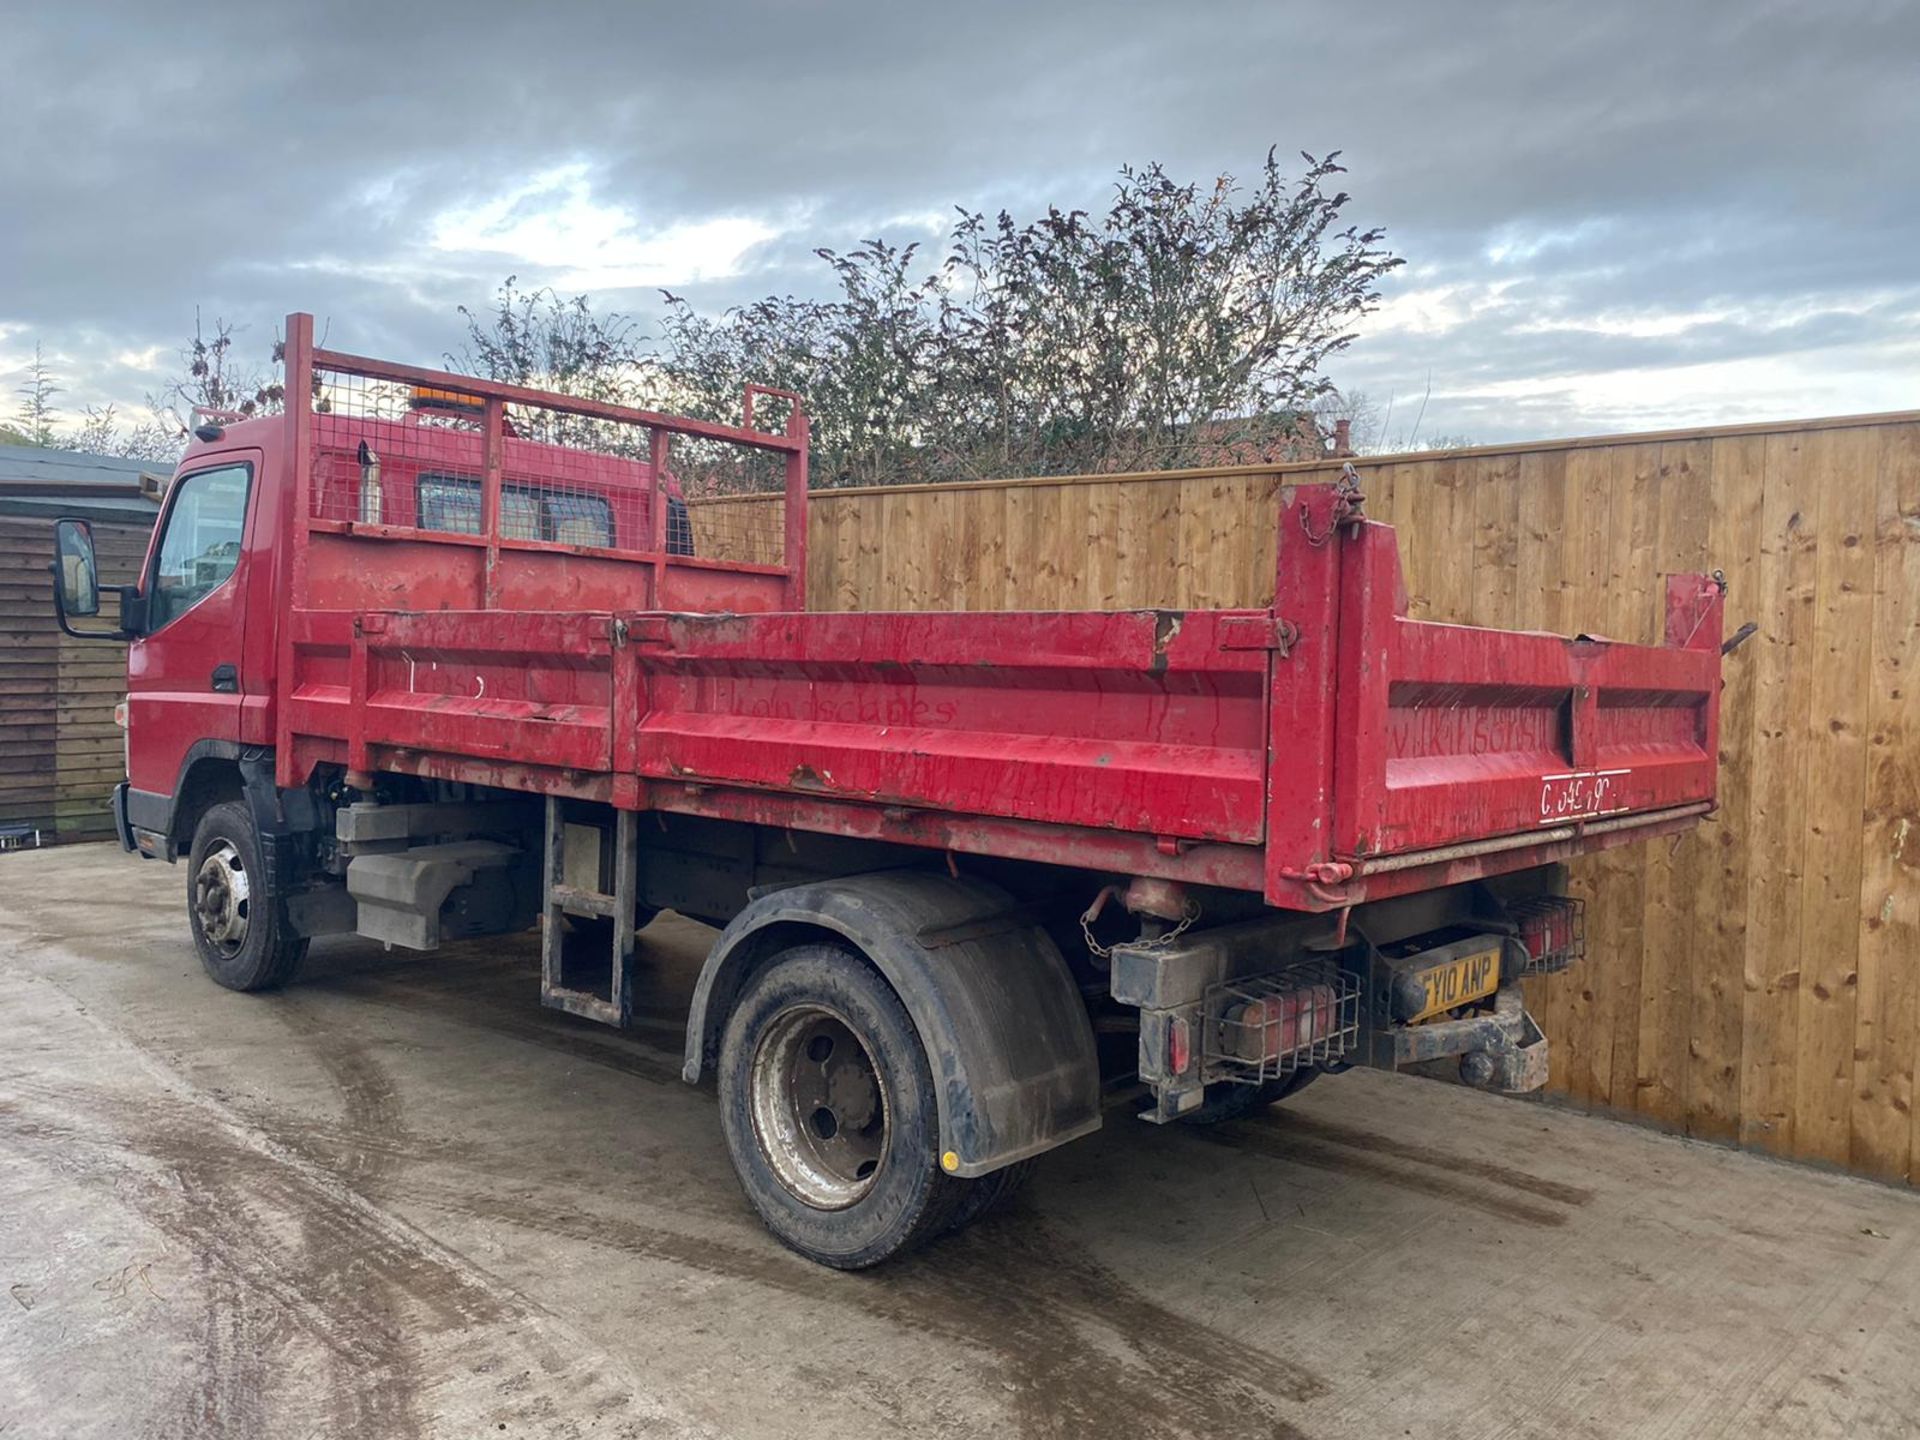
{"points": [[187, 673]]}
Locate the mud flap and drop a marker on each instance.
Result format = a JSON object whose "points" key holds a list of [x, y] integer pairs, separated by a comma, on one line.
{"points": [[1005, 1029]]}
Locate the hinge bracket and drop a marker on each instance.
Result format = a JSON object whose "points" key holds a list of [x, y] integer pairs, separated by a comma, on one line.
{"points": [[1258, 632]]}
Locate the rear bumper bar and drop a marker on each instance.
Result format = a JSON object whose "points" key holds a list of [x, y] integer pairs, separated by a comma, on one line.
{"points": [[1500, 1050], [1473, 849]]}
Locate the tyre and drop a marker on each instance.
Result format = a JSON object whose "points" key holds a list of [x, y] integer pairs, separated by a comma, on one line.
{"points": [[1228, 1101], [234, 904], [830, 1113]]}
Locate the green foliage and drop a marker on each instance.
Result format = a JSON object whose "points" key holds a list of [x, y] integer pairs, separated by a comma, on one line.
{"points": [[1186, 324], [218, 379], [37, 418], [101, 433], [545, 341]]}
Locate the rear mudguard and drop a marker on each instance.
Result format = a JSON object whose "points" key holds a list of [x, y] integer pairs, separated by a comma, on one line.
{"points": [[1005, 1030]]}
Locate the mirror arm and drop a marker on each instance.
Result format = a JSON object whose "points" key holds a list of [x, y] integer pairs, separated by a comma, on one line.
{"points": [[133, 613], [66, 625]]}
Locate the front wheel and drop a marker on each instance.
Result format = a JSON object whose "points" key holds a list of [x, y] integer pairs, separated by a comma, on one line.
{"points": [[234, 904], [829, 1110]]}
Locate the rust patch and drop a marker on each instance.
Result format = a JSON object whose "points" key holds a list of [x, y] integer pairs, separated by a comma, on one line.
{"points": [[1166, 628]]}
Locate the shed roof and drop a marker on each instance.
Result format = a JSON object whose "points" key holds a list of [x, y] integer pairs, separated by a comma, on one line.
{"points": [[35, 480]]}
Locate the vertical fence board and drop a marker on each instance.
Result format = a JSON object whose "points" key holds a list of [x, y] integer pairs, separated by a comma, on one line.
{"points": [[1717, 995], [1630, 876], [1539, 562], [1676, 867], [1882, 1139], [1777, 806], [1842, 473], [1589, 996]]}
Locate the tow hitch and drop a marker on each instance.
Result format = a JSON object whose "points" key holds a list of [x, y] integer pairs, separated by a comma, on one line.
{"points": [[1500, 1050]]}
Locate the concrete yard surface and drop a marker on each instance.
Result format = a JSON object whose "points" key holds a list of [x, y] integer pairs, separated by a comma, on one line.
{"points": [[400, 1198]]}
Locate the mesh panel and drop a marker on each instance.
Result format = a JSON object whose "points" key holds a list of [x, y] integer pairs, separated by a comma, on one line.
{"points": [[733, 500], [398, 455]]}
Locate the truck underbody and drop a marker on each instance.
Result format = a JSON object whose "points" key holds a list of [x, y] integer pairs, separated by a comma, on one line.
{"points": [[978, 878]]}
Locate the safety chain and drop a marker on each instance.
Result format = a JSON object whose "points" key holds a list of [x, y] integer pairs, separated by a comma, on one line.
{"points": [[1157, 942], [1347, 500]]}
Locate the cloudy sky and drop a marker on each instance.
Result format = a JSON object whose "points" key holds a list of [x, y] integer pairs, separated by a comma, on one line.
{"points": [[1616, 215]]}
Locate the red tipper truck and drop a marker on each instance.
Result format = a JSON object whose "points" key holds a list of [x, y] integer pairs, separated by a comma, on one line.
{"points": [[429, 657]]}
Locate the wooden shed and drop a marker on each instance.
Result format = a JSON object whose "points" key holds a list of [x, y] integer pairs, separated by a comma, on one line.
{"points": [[60, 751]]}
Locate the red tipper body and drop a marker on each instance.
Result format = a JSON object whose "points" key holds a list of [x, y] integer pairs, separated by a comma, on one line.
{"points": [[1320, 752]]}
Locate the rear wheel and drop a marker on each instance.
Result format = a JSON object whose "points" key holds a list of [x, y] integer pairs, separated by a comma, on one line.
{"points": [[829, 1110], [234, 904]]}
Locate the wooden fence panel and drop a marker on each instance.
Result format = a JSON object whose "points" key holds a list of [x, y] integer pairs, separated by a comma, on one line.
{"points": [[1753, 980]]}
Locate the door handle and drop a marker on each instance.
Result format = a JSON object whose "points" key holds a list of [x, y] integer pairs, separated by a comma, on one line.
{"points": [[226, 679]]}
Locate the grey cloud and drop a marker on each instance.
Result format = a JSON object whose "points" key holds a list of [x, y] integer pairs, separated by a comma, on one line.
{"points": [[1730, 153]]}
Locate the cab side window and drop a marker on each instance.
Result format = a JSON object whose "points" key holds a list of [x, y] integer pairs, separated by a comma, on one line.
{"points": [[201, 545], [452, 502]]}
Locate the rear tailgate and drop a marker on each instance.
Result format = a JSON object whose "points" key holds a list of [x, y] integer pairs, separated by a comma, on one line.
{"points": [[1447, 735]]}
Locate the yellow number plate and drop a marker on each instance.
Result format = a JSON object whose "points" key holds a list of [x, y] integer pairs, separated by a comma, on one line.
{"points": [[1470, 977]]}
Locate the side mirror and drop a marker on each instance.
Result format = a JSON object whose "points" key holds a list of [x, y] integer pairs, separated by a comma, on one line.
{"points": [[76, 581], [76, 573]]}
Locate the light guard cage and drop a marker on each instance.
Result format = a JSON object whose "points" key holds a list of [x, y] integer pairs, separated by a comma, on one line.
{"points": [[1266, 1027]]}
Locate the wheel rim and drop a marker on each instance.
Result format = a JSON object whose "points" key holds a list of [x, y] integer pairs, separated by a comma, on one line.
{"points": [[820, 1108], [220, 895]]}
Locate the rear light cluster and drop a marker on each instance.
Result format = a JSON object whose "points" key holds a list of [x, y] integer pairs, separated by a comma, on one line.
{"points": [[1277, 1025], [1179, 1045], [1272, 1025], [1553, 928]]}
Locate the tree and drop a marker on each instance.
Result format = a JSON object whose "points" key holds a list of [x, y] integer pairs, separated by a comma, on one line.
{"points": [[217, 379], [869, 363], [546, 341], [100, 433], [1357, 409], [36, 416], [1185, 323]]}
